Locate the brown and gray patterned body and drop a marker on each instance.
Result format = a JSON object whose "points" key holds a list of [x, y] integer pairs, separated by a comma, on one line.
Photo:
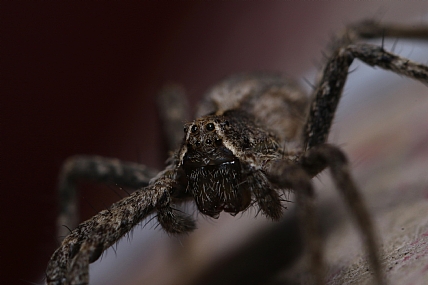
{"points": [[251, 120], [256, 135]]}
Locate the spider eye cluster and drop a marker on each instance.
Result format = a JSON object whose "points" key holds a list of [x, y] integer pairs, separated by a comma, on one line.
{"points": [[194, 128], [202, 133]]}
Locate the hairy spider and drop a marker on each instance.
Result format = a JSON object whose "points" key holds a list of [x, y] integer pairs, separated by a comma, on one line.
{"points": [[256, 135]]}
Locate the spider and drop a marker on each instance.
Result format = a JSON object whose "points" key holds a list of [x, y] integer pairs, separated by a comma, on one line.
{"points": [[256, 135]]}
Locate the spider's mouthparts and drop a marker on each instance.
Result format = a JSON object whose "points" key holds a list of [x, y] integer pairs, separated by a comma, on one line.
{"points": [[209, 161], [218, 187], [200, 158]]}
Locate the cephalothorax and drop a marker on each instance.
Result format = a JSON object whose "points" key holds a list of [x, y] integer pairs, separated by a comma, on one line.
{"points": [[256, 135], [242, 134]]}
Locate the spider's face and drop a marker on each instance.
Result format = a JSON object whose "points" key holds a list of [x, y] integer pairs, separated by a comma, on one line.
{"points": [[203, 143], [219, 138], [212, 169]]}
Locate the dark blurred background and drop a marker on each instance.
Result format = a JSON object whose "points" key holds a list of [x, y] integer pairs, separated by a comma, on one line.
{"points": [[82, 77]]}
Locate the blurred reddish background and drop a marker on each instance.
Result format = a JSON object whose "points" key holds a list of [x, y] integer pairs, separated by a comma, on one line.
{"points": [[81, 78]]}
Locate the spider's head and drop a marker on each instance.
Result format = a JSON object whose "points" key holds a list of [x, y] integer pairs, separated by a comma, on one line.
{"points": [[203, 142], [219, 138], [213, 171]]}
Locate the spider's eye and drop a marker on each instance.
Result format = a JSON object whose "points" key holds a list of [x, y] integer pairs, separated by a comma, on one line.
{"points": [[194, 129], [218, 142], [186, 129], [208, 141], [209, 127]]}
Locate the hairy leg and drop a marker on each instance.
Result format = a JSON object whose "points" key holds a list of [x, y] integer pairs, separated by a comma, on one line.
{"points": [[369, 29], [344, 50], [294, 177], [266, 196], [95, 169], [70, 262], [333, 158]]}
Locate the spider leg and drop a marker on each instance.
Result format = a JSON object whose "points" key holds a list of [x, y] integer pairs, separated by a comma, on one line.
{"points": [[326, 96], [174, 112], [267, 198], [295, 177], [96, 169], [70, 262], [330, 87], [369, 29], [335, 159]]}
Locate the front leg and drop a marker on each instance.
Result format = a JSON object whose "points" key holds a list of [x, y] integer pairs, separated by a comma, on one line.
{"points": [[94, 169], [70, 262]]}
